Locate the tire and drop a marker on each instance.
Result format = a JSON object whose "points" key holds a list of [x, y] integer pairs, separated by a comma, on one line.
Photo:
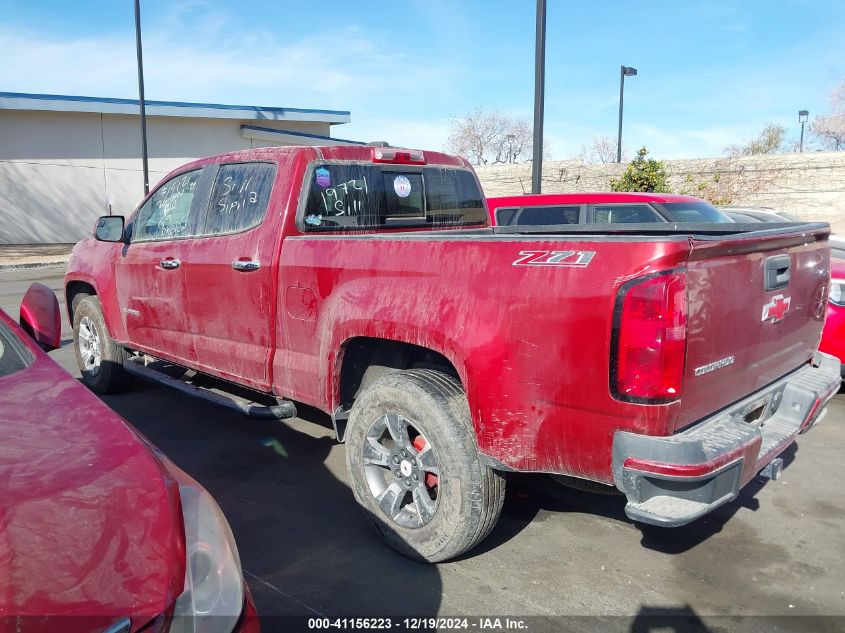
{"points": [[465, 496], [100, 361]]}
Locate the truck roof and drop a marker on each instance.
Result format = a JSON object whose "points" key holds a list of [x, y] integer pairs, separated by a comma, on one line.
{"points": [[595, 197], [326, 152]]}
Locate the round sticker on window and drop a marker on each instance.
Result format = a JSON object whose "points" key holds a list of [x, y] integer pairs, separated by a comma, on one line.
{"points": [[402, 186]]}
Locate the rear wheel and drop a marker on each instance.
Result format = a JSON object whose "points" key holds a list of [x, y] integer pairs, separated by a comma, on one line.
{"points": [[100, 361], [415, 469]]}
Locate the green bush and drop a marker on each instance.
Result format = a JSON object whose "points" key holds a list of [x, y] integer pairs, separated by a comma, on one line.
{"points": [[642, 175]]}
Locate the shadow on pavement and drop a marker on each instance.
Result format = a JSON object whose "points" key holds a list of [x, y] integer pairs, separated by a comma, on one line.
{"points": [[305, 546], [531, 495], [681, 539], [668, 620]]}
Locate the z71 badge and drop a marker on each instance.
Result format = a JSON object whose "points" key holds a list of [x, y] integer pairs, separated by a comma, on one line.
{"points": [[575, 259]]}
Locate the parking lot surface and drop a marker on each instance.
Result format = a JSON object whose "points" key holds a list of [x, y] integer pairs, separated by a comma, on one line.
{"points": [[306, 549]]}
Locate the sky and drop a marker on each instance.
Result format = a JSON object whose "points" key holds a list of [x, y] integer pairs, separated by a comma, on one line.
{"points": [[711, 73]]}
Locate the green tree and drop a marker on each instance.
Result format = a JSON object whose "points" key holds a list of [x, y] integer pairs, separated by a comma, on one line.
{"points": [[642, 175]]}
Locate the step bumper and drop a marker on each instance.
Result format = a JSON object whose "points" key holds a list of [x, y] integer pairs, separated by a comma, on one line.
{"points": [[671, 481]]}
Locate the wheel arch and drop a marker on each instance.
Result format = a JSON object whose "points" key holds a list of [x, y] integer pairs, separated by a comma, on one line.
{"points": [[78, 287], [75, 290], [358, 355]]}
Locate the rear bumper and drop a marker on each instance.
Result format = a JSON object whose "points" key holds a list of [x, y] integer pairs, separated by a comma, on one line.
{"points": [[671, 481]]}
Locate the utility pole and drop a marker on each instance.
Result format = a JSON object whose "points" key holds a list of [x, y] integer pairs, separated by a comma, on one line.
{"points": [[539, 87], [144, 158]]}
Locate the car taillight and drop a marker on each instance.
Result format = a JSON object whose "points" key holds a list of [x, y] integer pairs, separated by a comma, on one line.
{"points": [[400, 156], [649, 339]]}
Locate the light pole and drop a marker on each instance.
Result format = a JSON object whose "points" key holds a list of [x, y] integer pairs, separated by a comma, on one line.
{"points": [[624, 71], [144, 160], [803, 115], [539, 86]]}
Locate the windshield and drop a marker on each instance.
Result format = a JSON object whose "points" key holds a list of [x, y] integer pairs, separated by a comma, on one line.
{"points": [[361, 195], [13, 355], [693, 212]]}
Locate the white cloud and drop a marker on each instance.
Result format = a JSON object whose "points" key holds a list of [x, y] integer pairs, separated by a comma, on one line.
{"points": [[189, 55]]}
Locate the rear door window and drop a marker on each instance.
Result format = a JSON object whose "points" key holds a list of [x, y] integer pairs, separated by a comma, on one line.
{"points": [[361, 195], [549, 215], [624, 214], [539, 216], [239, 197], [166, 213]]}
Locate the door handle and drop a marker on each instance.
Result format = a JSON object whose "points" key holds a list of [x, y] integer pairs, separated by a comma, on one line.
{"points": [[245, 266], [170, 264]]}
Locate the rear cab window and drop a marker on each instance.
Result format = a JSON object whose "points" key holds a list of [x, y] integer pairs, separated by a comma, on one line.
{"points": [[365, 196]]}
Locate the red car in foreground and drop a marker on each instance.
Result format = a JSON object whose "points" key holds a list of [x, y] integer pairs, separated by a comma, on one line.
{"points": [[833, 336], [99, 532]]}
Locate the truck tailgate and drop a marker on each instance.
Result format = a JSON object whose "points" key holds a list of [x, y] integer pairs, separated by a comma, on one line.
{"points": [[757, 305]]}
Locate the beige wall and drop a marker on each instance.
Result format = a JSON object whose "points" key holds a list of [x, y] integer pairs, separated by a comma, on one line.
{"points": [[809, 185], [58, 171]]}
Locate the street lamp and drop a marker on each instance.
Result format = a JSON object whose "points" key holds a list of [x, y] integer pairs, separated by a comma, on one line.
{"points": [[803, 115], [624, 71]]}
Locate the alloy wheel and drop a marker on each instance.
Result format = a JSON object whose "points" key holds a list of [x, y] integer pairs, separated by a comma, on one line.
{"points": [[401, 470]]}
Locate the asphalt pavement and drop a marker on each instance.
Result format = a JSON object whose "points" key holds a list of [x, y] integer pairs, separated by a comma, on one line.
{"points": [[564, 559]]}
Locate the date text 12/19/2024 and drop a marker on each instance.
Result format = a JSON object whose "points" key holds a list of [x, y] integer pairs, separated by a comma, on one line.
{"points": [[419, 624]]}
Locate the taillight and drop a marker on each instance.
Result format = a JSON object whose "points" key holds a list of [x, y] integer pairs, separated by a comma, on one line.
{"points": [[649, 339], [400, 156]]}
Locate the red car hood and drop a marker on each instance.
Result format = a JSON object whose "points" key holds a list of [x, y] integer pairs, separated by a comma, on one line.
{"points": [[90, 523]]}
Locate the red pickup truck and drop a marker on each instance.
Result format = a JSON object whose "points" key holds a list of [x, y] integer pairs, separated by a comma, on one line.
{"points": [[674, 363]]}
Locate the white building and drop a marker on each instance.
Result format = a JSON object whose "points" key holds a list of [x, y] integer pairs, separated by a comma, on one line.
{"points": [[66, 160]]}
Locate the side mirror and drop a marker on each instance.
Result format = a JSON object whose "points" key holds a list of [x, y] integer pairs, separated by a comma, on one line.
{"points": [[41, 318], [109, 228]]}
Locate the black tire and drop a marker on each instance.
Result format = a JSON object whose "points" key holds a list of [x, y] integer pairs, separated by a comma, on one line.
{"points": [[107, 375], [469, 494]]}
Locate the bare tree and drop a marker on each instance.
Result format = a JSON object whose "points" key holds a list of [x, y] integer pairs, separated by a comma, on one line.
{"points": [[602, 150], [484, 138], [771, 140], [829, 129]]}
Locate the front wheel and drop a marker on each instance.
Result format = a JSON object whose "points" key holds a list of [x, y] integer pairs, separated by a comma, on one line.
{"points": [[100, 361], [415, 469]]}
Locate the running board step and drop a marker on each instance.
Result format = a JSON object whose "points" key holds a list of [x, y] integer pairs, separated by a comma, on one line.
{"points": [[668, 511], [249, 408]]}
